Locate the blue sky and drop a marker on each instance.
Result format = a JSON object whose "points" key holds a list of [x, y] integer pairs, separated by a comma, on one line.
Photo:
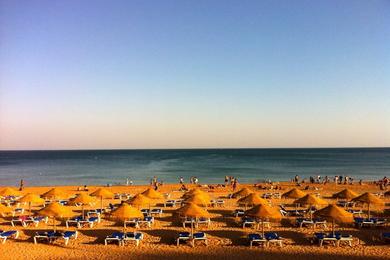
{"points": [[166, 74]]}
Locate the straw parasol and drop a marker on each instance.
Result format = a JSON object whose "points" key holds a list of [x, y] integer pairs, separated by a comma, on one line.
{"points": [[31, 198], [125, 211], [152, 194], [252, 199], [9, 192], [310, 200], [139, 200], [345, 194], [294, 194], [4, 209], [198, 199], [55, 193], [335, 214], [102, 194], [263, 212], [193, 211], [56, 210], [83, 199], [197, 191], [369, 198], [242, 193]]}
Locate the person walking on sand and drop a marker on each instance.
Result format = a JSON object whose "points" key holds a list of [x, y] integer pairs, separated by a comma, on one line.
{"points": [[181, 180]]}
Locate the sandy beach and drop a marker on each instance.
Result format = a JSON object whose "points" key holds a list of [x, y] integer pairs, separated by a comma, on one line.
{"points": [[227, 239]]}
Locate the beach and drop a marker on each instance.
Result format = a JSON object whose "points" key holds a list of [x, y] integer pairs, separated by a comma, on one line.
{"points": [[226, 238]]}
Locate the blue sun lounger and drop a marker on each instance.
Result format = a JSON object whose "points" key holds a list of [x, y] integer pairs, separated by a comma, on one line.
{"points": [[8, 234], [256, 238], [183, 236], [273, 237], [115, 237], [199, 236], [133, 236]]}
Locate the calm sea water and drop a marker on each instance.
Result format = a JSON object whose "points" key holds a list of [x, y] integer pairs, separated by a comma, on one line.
{"points": [[209, 165]]}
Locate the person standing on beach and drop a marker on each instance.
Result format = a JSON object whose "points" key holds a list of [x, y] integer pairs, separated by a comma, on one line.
{"points": [[226, 180], [181, 180], [21, 185], [235, 182]]}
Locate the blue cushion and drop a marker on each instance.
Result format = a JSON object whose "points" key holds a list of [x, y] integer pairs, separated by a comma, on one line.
{"points": [[117, 235], [184, 234], [8, 233], [271, 235], [319, 235], [199, 235], [69, 233], [255, 237]]}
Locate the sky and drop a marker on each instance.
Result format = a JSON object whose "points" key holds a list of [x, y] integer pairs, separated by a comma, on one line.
{"points": [[194, 74]]}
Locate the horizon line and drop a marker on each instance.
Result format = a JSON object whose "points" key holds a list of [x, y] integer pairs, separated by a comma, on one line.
{"points": [[192, 148]]}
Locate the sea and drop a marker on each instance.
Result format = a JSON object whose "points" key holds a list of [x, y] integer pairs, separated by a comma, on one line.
{"points": [[115, 167]]}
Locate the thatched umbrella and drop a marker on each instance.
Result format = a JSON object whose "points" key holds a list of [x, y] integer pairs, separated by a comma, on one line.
{"points": [[334, 214], [139, 201], [56, 210], [9, 192], [198, 199], [83, 199], [311, 200], [125, 211], [346, 194], [102, 194], [192, 211], [293, 194], [242, 193], [55, 194], [369, 198], [252, 199], [152, 194], [4, 209], [31, 198], [264, 212], [197, 191]]}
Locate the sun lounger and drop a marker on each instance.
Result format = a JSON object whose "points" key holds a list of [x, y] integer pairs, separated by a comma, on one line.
{"points": [[4, 235], [51, 236], [187, 221], [115, 237], [157, 211], [246, 221], [170, 203], [199, 236], [357, 212], [239, 213], [256, 238], [203, 221], [346, 238], [17, 211], [148, 221], [183, 236], [273, 237], [133, 236], [134, 221], [385, 237]]}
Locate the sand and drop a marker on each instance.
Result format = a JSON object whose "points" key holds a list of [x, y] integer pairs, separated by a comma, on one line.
{"points": [[227, 240]]}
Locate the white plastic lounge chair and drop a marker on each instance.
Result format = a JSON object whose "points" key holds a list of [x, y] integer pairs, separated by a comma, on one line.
{"points": [[134, 221], [133, 236], [199, 236], [256, 238], [183, 236], [115, 237], [4, 235], [273, 237]]}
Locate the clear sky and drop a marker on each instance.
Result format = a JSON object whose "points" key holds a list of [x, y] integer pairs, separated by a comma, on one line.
{"points": [[186, 74]]}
